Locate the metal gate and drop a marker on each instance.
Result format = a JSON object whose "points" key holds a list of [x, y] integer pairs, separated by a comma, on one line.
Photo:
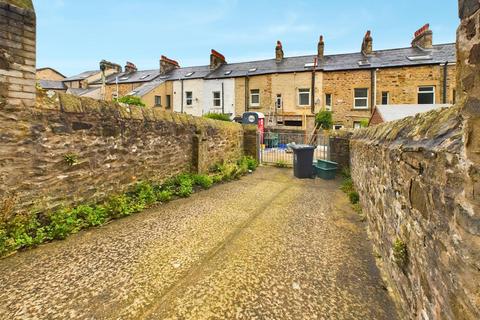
{"points": [[274, 147]]}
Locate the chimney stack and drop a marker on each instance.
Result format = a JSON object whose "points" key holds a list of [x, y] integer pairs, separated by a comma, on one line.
{"points": [[107, 65], [367, 44], [167, 65], [423, 37], [320, 48], [216, 59], [278, 52], [130, 67]]}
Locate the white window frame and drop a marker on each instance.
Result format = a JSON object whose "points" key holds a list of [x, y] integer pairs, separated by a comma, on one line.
{"points": [[329, 107], [304, 91], [219, 99], [189, 100], [388, 98], [359, 124], [360, 98], [257, 93], [432, 92], [159, 99]]}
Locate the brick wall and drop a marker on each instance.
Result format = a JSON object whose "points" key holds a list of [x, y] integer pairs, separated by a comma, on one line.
{"points": [[115, 146], [17, 53]]}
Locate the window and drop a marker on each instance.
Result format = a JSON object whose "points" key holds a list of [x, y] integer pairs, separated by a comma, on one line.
{"points": [[254, 97], [279, 102], [188, 98], [337, 127], [158, 101], [217, 100], [293, 123], [454, 96], [328, 101], [361, 99], [169, 101], [426, 95], [303, 97], [357, 124], [385, 97]]}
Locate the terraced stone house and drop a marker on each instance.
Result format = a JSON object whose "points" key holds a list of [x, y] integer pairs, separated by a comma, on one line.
{"points": [[291, 90]]}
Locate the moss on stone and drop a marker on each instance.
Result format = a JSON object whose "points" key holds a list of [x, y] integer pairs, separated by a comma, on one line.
{"points": [[24, 4]]}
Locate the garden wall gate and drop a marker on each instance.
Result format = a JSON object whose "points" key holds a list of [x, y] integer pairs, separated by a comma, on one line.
{"points": [[274, 147]]}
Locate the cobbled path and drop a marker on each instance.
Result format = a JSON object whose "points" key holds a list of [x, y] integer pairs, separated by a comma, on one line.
{"points": [[266, 247]]}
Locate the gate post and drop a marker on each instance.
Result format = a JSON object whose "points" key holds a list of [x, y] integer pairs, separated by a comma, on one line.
{"points": [[251, 143]]}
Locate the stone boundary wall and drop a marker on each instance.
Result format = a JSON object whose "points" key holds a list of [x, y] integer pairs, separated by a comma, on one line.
{"points": [[411, 176], [17, 52], [113, 147]]}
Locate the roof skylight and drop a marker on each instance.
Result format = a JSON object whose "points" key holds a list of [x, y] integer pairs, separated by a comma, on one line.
{"points": [[309, 65], [189, 74], [363, 63], [417, 58], [252, 70], [145, 76], [124, 78], [228, 72]]}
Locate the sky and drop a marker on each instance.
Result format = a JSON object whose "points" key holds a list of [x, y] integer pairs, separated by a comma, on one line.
{"points": [[74, 36]]}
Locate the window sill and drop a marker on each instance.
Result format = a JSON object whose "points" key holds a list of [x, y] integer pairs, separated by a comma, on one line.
{"points": [[360, 109]]}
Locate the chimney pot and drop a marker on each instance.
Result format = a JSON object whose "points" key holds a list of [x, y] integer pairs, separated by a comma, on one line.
{"points": [[320, 48], [216, 59], [367, 44], [423, 37], [278, 52]]}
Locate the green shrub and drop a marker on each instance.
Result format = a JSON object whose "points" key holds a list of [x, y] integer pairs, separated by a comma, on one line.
{"points": [[71, 159], [164, 196], [347, 185], [281, 164], [400, 253], [132, 100], [217, 116], [184, 185], [62, 223], [345, 172], [354, 197], [252, 164], [203, 181], [324, 119], [119, 206], [92, 215], [145, 193]]}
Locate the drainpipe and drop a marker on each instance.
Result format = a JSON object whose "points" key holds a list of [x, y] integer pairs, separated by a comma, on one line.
{"points": [[181, 97], [313, 86], [445, 75], [247, 81], [373, 93], [223, 100]]}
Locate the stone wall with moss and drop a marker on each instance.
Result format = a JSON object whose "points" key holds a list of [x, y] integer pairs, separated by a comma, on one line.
{"points": [[419, 185], [68, 150]]}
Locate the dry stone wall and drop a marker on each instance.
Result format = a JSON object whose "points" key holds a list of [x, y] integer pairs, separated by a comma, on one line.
{"points": [[112, 147], [419, 185]]}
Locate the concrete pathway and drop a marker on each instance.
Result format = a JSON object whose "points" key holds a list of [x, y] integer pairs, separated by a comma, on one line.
{"points": [[266, 247]]}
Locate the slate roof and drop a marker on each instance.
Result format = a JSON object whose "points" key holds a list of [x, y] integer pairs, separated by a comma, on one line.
{"points": [[52, 85], [146, 87], [400, 111], [400, 57], [80, 92], [349, 61], [133, 77], [81, 76]]}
